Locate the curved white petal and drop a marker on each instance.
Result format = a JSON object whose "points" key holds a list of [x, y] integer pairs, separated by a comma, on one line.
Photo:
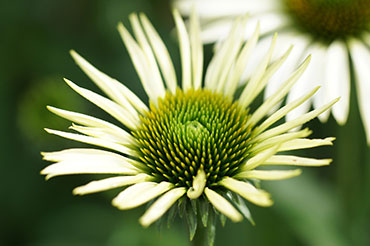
{"points": [[153, 88], [247, 191], [161, 53], [110, 183], [114, 89], [296, 161], [94, 141], [269, 174], [90, 121], [338, 79], [82, 154], [112, 108], [361, 60], [222, 205], [305, 143], [139, 194], [160, 206], [185, 51], [86, 164]]}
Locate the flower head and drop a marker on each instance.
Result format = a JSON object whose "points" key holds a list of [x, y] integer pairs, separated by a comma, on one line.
{"points": [[335, 32], [198, 145]]}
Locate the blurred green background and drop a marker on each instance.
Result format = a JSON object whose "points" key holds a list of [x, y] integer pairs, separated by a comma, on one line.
{"points": [[324, 206]]}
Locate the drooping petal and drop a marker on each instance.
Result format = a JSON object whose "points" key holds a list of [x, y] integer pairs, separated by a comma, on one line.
{"points": [[338, 80], [222, 205], [296, 161], [247, 191], [140, 193], [160, 206], [361, 59], [268, 174], [110, 183]]}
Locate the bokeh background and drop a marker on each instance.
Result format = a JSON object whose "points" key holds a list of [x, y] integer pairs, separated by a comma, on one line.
{"points": [[324, 206]]}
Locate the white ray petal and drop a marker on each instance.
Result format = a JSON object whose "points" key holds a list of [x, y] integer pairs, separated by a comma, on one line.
{"points": [[247, 191], [82, 154], [258, 159], [291, 160], [196, 51], [279, 139], [112, 108], [227, 55], [114, 89], [94, 141], [161, 206], [284, 41], [139, 194], [305, 143], [155, 76], [161, 53], [294, 123], [154, 91], [269, 174], [110, 183], [184, 51], [94, 122], [223, 205], [87, 166], [220, 64], [361, 59], [100, 133], [338, 79], [261, 111], [250, 91], [279, 95], [241, 63]]}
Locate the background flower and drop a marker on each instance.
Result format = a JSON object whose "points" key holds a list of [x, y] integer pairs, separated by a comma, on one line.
{"points": [[336, 33]]}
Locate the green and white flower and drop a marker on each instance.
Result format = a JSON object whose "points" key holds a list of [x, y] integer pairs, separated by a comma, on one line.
{"points": [[197, 148], [335, 32]]}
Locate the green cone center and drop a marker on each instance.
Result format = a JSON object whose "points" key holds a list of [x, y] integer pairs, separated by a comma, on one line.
{"points": [[328, 20], [190, 131]]}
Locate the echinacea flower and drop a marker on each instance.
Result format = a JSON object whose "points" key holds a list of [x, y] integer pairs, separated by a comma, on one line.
{"points": [[335, 32], [197, 144]]}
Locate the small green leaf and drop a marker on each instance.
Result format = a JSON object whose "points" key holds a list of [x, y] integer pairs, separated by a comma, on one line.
{"points": [[192, 221], [203, 208]]}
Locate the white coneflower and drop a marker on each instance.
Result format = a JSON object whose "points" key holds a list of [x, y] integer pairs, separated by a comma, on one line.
{"points": [[196, 144], [335, 32]]}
